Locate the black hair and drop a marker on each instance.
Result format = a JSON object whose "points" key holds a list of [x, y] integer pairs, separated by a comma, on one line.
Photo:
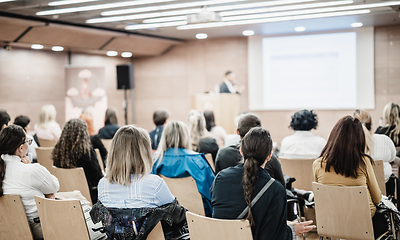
{"points": [[22, 121], [160, 116], [210, 120], [304, 120], [4, 118], [227, 73], [247, 122]]}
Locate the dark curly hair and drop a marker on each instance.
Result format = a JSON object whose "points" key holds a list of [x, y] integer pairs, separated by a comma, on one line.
{"points": [[73, 143], [304, 120]]}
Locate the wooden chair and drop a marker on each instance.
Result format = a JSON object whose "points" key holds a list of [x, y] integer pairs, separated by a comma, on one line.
{"points": [[47, 143], [71, 179], [301, 169], [201, 228], [380, 175], [100, 160], [210, 161], [157, 233], [44, 157], [106, 143], [185, 190], [14, 224], [343, 212]]}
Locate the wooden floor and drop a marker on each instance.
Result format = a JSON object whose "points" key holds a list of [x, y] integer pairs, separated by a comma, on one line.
{"points": [[310, 236]]}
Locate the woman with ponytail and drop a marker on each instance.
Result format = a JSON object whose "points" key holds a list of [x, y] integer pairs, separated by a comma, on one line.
{"points": [[234, 189], [18, 176]]}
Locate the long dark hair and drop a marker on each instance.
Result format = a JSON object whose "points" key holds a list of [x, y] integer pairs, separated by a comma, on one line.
{"points": [[210, 120], [344, 150], [11, 138], [256, 147]]}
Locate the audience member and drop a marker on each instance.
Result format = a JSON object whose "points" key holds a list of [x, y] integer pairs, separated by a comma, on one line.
{"points": [[230, 156], [87, 116], [175, 160], [201, 139], [24, 121], [391, 123], [4, 119], [344, 163], [302, 144], [48, 128], [19, 176], [110, 124], [73, 149], [234, 138], [217, 132], [234, 188], [160, 117], [131, 194]]}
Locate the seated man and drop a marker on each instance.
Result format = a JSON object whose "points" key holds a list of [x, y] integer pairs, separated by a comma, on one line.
{"points": [[160, 117]]}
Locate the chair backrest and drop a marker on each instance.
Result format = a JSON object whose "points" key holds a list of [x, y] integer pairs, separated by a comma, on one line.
{"points": [[157, 233], [43, 155], [380, 175], [106, 143], [47, 143], [100, 160], [201, 228], [210, 161], [185, 190], [343, 212], [62, 219], [13, 221], [301, 169], [72, 179]]}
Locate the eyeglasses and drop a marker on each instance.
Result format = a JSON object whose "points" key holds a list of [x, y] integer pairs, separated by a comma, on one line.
{"points": [[29, 141]]}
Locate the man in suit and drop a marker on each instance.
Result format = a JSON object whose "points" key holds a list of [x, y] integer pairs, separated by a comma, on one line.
{"points": [[228, 85]]}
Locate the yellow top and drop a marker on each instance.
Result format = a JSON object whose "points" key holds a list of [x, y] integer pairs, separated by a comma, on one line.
{"points": [[366, 177]]}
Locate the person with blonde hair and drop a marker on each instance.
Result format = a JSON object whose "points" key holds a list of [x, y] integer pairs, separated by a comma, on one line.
{"points": [[201, 140], [174, 159], [87, 116], [130, 194], [48, 128], [391, 123], [110, 124]]}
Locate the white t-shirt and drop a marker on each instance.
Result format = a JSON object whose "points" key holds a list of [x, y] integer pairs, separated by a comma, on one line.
{"points": [[302, 145], [51, 132], [385, 150]]}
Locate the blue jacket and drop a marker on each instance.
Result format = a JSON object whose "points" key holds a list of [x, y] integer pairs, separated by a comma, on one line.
{"points": [[179, 163]]}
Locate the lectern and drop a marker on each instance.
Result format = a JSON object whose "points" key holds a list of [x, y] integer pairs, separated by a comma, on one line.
{"points": [[225, 107]]}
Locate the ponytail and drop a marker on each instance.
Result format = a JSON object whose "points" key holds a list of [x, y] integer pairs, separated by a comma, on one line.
{"points": [[249, 181]]}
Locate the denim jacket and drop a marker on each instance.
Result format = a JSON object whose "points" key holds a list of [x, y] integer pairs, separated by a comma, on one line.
{"points": [[137, 223]]}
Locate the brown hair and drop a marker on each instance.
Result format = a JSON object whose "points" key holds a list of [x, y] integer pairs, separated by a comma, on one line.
{"points": [[256, 147], [246, 122], [344, 150]]}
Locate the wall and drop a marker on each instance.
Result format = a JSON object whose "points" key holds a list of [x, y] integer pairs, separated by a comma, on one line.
{"points": [[31, 78], [169, 80]]}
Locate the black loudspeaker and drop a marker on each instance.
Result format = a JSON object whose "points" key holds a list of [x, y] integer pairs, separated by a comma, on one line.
{"points": [[125, 76]]}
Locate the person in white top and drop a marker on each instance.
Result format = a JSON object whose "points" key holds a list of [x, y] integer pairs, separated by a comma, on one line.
{"points": [[378, 146], [19, 176], [302, 144], [217, 132], [24, 121], [48, 128]]}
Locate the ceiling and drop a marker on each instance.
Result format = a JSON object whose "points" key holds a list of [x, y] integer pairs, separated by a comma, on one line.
{"points": [[23, 22]]}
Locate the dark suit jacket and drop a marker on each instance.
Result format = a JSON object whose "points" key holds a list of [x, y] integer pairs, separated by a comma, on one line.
{"points": [[223, 88]]}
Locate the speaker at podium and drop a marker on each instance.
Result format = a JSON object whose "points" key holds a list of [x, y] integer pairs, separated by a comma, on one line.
{"points": [[225, 107]]}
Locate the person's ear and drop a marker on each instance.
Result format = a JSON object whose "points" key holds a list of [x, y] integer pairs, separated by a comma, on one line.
{"points": [[19, 150], [4, 125], [237, 131], [240, 150], [269, 157]]}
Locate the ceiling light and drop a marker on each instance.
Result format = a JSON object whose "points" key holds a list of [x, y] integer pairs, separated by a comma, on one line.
{"points": [[276, 19], [248, 32], [37, 46], [65, 2], [112, 53], [257, 4], [356, 24], [299, 29], [126, 54], [99, 7], [165, 19], [57, 48], [1, 1], [155, 25], [166, 7], [284, 8], [201, 36]]}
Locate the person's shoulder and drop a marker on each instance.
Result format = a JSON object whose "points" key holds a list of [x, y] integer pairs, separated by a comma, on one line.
{"points": [[317, 162]]}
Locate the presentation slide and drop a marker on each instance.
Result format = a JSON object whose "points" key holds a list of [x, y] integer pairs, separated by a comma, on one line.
{"points": [[312, 71]]}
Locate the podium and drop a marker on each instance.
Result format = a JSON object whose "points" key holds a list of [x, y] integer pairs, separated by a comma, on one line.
{"points": [[225, 107]]}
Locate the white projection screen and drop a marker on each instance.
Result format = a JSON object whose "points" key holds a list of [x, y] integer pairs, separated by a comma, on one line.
{"points": [[326, 71]]}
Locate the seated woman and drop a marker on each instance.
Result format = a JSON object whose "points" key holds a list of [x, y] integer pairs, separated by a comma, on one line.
{"points": [[18, 176], [131, 194], [217, 132], [235, 187], [24, 121], [201, 139], [344, 163], [302, 144], [391, 123], [175, 160], [110, 124], [73, 149], [48, 128]]}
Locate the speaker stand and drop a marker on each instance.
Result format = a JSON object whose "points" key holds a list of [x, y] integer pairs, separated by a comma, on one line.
{"points": [[126, 106]]}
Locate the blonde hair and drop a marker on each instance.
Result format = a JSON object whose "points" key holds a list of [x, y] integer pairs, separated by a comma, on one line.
{"points": [[87, 116], [391, 117], [47, 115], [197, 128], [366, 120], [130, 153], [174, 135]]}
